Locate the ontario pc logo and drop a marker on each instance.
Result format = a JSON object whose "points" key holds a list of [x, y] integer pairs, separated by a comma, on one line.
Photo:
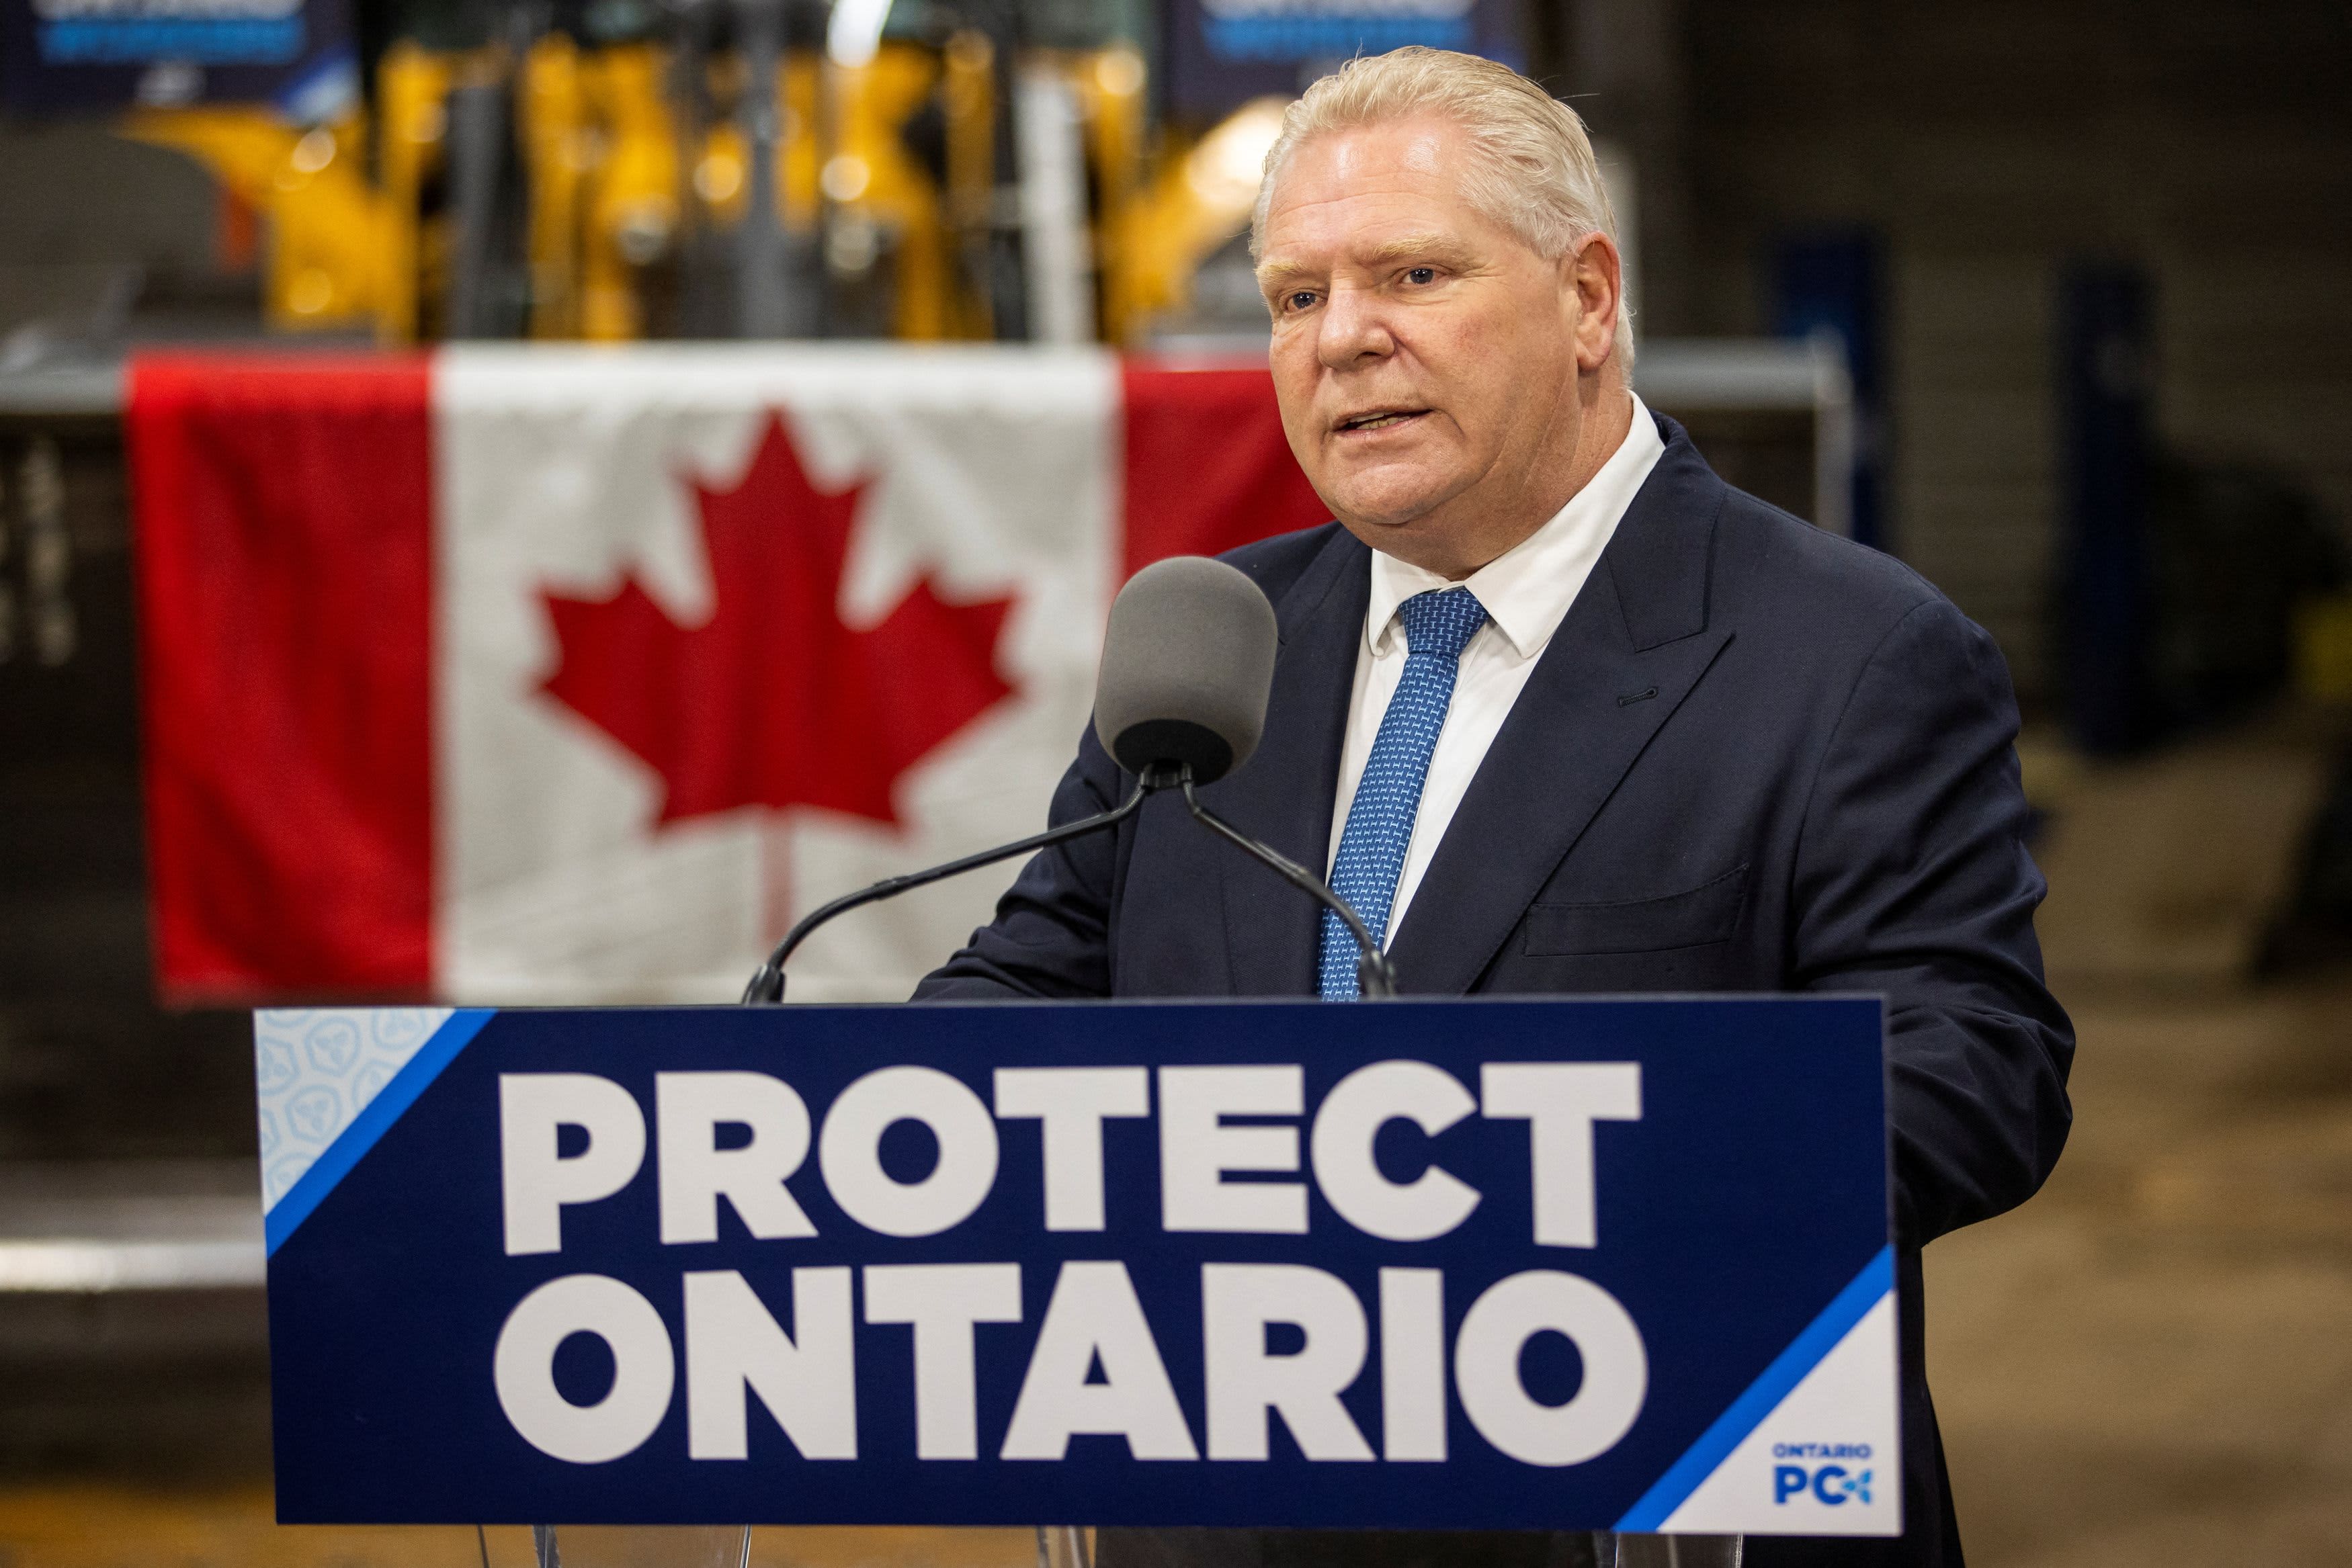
{"points": [[1833, 1484]]}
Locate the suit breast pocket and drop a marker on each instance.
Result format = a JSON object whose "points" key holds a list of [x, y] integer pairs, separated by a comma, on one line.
{"points": [[1695, 918]]}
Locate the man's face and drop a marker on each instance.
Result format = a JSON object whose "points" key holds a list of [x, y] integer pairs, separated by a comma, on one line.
{"points": [[1424, 356]]}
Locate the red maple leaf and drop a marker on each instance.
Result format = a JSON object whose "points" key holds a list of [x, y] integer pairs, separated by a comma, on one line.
{"points": [[772, 701]]}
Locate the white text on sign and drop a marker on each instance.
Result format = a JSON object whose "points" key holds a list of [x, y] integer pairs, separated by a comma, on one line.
{"points": [[1095, 1366]]}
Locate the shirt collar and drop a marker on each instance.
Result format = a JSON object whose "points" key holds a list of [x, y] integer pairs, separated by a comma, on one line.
{"points": [[1528, 588]]}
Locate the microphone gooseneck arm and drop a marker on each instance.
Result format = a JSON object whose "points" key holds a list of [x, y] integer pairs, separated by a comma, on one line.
{"points": [[1374, 973], [768, 984]]}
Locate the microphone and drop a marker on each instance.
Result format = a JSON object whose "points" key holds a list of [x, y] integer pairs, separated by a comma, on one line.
{"points": [[1188, 660], [1187, 663], [1180, 701]]}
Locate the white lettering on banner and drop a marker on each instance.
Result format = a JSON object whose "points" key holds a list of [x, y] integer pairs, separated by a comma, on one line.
{"points": [[1095, 1367], [1247, 1386], [1072, 1102], [1200, 1146], [943, 1301], [536, 1178], [1560, 1101], [1352, 1115], [1486, 1352], [849, 1151], [1412, 1364], [807, 1379], [689, 1110], [1094, 1318], [522, 1368], [1196, 1150]]}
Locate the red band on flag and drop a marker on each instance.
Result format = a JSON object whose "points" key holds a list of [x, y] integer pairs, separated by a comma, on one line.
{"points": [[1207, 467], [282, 510]]}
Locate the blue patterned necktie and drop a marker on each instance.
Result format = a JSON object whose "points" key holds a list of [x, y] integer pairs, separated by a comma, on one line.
{"points": [[1437, 626]]}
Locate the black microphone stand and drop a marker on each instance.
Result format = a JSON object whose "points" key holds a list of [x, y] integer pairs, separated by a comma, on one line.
{"points": [[768, 984], [1374, 974]]}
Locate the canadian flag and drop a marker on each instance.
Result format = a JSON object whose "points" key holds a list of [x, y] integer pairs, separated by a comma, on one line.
{"points": [[518, 674]]}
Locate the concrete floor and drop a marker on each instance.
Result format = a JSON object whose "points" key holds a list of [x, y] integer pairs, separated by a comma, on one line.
{"points": [[2151, 1364], [119, 1527]]}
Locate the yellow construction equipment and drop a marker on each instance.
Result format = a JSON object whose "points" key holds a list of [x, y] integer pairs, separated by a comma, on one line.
{"points": [[411, 86], [326, 265], [612, 188], [884, 202], [1200, 199]]}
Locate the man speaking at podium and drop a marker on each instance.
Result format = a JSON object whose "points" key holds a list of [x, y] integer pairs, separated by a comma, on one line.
{"points": [[1562, 712]]}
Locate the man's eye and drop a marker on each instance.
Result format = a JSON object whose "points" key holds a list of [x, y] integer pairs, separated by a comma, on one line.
{"points": [[1301, 298], [1421, 275]]}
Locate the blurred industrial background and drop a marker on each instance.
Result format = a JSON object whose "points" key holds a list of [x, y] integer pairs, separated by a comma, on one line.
{"points": [[2053, 300]]}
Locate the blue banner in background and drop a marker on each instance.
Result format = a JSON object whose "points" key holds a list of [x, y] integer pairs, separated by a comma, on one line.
{"points": [[77, 56], [1500, 1264], [1220, 54]]}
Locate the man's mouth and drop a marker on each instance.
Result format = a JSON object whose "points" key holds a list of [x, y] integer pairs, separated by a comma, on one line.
{"points": [[1379, 419]]}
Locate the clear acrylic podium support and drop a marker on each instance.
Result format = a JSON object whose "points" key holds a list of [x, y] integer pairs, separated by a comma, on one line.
{"points": [[1064, 1546], [1610, 1550], [615, 1546]]}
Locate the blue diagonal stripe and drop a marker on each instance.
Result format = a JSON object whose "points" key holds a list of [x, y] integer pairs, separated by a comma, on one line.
{"points": [[1788, 1369], [373, 1121]]}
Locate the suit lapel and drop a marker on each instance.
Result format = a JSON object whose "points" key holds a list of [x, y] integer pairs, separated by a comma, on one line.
{"points": [[1639, 626], [1283, 796]]}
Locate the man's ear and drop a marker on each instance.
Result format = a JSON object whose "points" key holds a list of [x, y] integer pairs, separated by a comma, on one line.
{"points": [[1591, 283]]}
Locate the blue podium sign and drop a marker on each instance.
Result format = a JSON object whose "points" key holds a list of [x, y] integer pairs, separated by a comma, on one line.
{"points": [[1567, 1264]]}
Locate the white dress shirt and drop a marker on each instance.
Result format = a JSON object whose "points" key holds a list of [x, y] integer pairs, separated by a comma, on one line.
{"points": [[1527, 590]]}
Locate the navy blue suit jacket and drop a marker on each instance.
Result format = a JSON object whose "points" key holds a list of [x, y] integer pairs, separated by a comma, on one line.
{"points": [[1754, 758]]}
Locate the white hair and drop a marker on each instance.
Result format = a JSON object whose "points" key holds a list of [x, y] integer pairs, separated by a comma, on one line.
{"points": [[1531, 166]]}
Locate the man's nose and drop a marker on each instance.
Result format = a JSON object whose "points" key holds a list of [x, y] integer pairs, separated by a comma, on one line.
{"points": [[1353, 329]]}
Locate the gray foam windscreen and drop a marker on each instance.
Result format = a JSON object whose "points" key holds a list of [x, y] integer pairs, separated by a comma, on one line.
{"points": [[1187, 662]]}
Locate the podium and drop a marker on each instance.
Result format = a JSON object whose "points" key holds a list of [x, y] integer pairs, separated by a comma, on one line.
{"points": [[1424, 1265]]}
